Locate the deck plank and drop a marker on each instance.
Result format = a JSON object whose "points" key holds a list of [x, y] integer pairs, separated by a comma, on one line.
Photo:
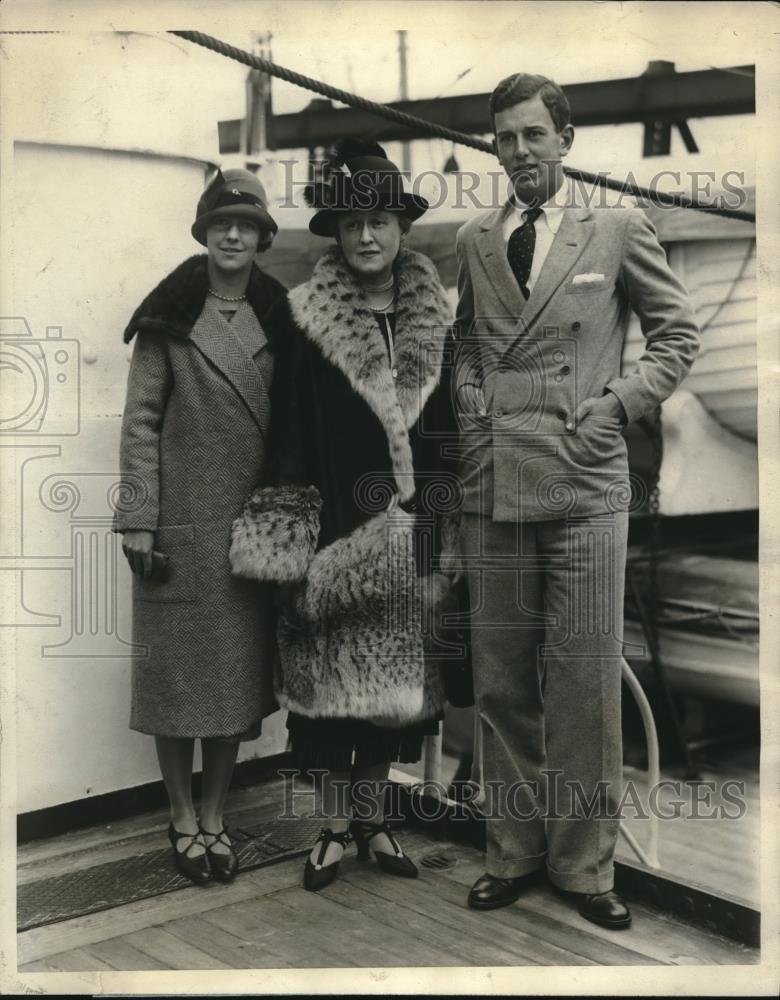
{"points": [[122, 956], [519, 942], [73, 960], [544, 928], [213, 941], [378, 943], [174, 951], [655, 935], [441, 938], [288, 936], [721, 854]]}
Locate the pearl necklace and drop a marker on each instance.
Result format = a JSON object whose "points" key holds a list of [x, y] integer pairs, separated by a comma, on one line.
{"points": [[227, 298], [386, 306], [380, 288]]}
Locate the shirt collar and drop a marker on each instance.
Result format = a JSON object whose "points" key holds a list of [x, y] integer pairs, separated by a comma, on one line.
{"points": [[553, 208]]}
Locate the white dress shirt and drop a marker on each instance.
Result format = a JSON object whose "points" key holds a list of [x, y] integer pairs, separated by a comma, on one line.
{"points": [[546, 226]]}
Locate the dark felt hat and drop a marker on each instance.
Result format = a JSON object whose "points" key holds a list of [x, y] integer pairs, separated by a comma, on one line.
{"points": [[361, 179], [234, 193]]}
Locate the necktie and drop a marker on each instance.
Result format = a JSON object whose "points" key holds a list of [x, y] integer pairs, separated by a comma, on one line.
{"points": [[520, 249]]}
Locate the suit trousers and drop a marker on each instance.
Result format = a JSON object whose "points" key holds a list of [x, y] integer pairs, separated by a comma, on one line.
{"points": [[546, 632]]}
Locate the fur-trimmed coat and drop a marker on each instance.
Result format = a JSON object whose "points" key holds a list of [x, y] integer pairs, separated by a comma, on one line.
{"points": [[360, 430], [196, 438]]}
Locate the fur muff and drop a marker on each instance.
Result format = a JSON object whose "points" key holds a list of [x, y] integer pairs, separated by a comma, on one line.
{"points": [[333, 313], [351, 639], [276, 536], [375, 563]]}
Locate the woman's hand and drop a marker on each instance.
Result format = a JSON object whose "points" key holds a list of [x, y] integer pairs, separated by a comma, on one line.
{"points": [[137, 546]]}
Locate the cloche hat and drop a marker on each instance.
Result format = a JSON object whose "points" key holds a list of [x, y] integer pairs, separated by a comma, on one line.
{"points": [[360, 178], [236, 192]]}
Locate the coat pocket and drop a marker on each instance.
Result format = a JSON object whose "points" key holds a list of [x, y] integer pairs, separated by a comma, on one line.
{"points": [[598, 439], [589, 287], [178, 543]]}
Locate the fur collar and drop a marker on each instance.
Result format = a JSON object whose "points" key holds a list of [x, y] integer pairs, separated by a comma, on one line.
{"points": [[332, 312], [175, 304]]}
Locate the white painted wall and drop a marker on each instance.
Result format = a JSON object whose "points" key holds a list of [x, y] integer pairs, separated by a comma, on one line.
{"points": [[92, 233], [100, 190]]}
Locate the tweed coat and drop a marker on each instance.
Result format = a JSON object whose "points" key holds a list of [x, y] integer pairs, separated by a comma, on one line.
{"points": [[360, 431], [194, 441], [537, 360]]}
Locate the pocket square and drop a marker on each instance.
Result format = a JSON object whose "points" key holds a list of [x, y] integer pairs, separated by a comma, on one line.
{"points": [[587, 279]]}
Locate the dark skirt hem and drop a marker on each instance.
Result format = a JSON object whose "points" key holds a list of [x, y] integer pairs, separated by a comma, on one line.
{"points": [[340, 744]]}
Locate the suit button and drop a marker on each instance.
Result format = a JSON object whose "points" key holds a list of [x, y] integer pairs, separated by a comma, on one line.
{"points": [[498, 413], [576, 325], [558, 356], [559, 378]]}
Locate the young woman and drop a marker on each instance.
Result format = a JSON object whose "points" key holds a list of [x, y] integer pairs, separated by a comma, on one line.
{"points": [[364, 429], [210, 342]]}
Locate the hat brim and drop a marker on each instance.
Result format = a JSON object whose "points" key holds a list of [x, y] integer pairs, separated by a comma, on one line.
{"points": [[253, 212], [322, 222]]}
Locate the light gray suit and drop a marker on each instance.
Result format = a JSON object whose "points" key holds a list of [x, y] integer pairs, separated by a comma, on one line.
{"points": [[546, 516]]}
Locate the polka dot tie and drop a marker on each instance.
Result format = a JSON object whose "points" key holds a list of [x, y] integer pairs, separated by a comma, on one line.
{"points": [[520, 249]]}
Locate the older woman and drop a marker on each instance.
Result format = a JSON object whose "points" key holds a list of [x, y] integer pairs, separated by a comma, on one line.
{"points": [[365, 418], [210, 341]]}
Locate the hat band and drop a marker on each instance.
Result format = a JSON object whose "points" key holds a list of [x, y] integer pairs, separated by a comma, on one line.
{"points": [[362, 192], [228, 198]]}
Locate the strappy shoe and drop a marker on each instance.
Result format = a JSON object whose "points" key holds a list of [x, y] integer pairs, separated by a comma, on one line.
{"points": [[197, 869], [394, 864], [224, 866], [316, 876]]}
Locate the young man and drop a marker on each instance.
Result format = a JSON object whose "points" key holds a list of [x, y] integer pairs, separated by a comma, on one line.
{"points": [[545, 292]]}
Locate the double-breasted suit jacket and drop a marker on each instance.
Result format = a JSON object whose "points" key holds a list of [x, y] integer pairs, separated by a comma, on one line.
{"points": [[545, 561], [535, 360], [194, 443]]}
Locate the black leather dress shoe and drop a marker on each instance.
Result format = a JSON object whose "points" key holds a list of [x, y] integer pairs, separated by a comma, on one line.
{"points": [[489, 892], [606, 909]]}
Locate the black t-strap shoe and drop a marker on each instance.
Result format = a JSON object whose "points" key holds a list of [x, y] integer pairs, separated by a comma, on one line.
{"points": [[316, 876], [394, 864]]}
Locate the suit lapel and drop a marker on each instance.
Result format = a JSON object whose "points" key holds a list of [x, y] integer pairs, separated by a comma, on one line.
{"points": [[570, 241], [220, 344], [492, 251]]}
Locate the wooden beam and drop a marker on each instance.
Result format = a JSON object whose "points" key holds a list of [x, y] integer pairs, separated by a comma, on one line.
{"points": [[647, 98]]}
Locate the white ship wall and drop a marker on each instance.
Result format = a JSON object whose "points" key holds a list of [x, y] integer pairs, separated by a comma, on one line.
{"points": [[97, 222]]}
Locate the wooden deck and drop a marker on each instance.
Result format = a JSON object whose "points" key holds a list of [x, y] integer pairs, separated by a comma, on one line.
{"points": [[721, 854], [365, 919]]}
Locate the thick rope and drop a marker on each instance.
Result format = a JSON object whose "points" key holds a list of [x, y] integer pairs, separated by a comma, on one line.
{"points": [[440, 131], [335, 93]]}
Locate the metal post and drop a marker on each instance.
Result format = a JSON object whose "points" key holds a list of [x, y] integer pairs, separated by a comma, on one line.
{"points": [[432, 759], [406, 155], [653, 767]]}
